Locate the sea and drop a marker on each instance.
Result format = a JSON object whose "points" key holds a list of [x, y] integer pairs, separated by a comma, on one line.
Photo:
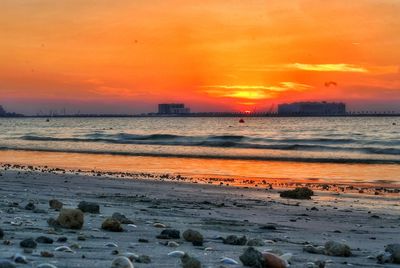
{"points": [[342, 149]]}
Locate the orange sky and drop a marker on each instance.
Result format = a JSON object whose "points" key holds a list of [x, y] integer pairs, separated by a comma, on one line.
{"points": [[126, 56]]}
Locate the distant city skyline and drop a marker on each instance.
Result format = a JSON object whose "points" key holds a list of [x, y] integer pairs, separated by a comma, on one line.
{"points": [[93, 57]]}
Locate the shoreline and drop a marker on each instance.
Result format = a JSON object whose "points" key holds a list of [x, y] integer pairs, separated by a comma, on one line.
{"points": [[244, 173], [216, 211]]}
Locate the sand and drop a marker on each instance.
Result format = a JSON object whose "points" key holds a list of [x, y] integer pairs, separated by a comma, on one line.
{"points": [[364, 222]]}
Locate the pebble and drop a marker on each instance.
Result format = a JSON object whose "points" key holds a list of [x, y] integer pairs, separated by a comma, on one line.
{"points": [[193, 236], [111, 225], [333, 248], [190, 262], [169, 234], [394, 250], [121, 218], [121, 262], [55, 204], [46, 254], [30, 206], [18, 258], [44, 240], [176, 253], [274, 261], [28, 243], [89, 207], [71, 218], [252, 258], [235, 240]]}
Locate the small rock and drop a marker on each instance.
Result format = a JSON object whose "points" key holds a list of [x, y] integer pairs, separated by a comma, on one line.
{"points": [[18, 258], [46, 254], [193, 236], [89, 207], [143, 259], [274, 261], [298, 193], [44, 240], [71, 218], [169, 234], [190, 262], [333, 248], [111, 225], [28, 243], [55, 204], [142, 240], [121, 262], [234, 240], [62, 239], [53, 223], [252, 258], [394, 250], [30, 206], [121, 218]]}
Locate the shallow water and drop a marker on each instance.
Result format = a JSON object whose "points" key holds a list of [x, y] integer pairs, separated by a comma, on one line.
{"points": [[335, 148]]}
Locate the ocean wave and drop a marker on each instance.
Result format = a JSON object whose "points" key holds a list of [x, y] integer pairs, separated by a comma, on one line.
{"points": [[227, 141], [215, 156]]}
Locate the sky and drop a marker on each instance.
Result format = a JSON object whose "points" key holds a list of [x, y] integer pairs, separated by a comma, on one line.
{"points": [[126, 56]]}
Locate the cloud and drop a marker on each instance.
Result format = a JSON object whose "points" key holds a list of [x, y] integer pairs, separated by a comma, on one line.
{"points": [[338, 67], [323, 67], [254, 92]]}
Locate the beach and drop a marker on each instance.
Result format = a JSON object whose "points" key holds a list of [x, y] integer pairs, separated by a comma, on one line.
{"points": [[364, 222]]}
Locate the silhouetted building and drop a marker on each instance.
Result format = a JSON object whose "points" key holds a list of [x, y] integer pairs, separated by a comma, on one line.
{"points": [[2, 111], [312, 108], [173, 108]]}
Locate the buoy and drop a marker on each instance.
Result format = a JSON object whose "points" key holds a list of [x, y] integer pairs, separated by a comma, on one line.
{"points": [[241, 120]]}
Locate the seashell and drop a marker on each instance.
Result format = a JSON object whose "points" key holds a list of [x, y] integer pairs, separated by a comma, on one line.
{"points": [[111, 245], [64, 249], [177, 253], [228, 261], [172, 244], [132, 226], [159, 225]]}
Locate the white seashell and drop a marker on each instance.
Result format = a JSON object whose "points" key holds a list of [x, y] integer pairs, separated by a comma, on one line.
{"points": [[64, 249], [132, 226], [159, 225], [172, 244], [208, 249], [111, 245], [228, 261], [176, 253]]}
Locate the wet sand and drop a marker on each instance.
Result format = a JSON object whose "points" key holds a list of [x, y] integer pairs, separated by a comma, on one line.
{"points": [[365, 222]]}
